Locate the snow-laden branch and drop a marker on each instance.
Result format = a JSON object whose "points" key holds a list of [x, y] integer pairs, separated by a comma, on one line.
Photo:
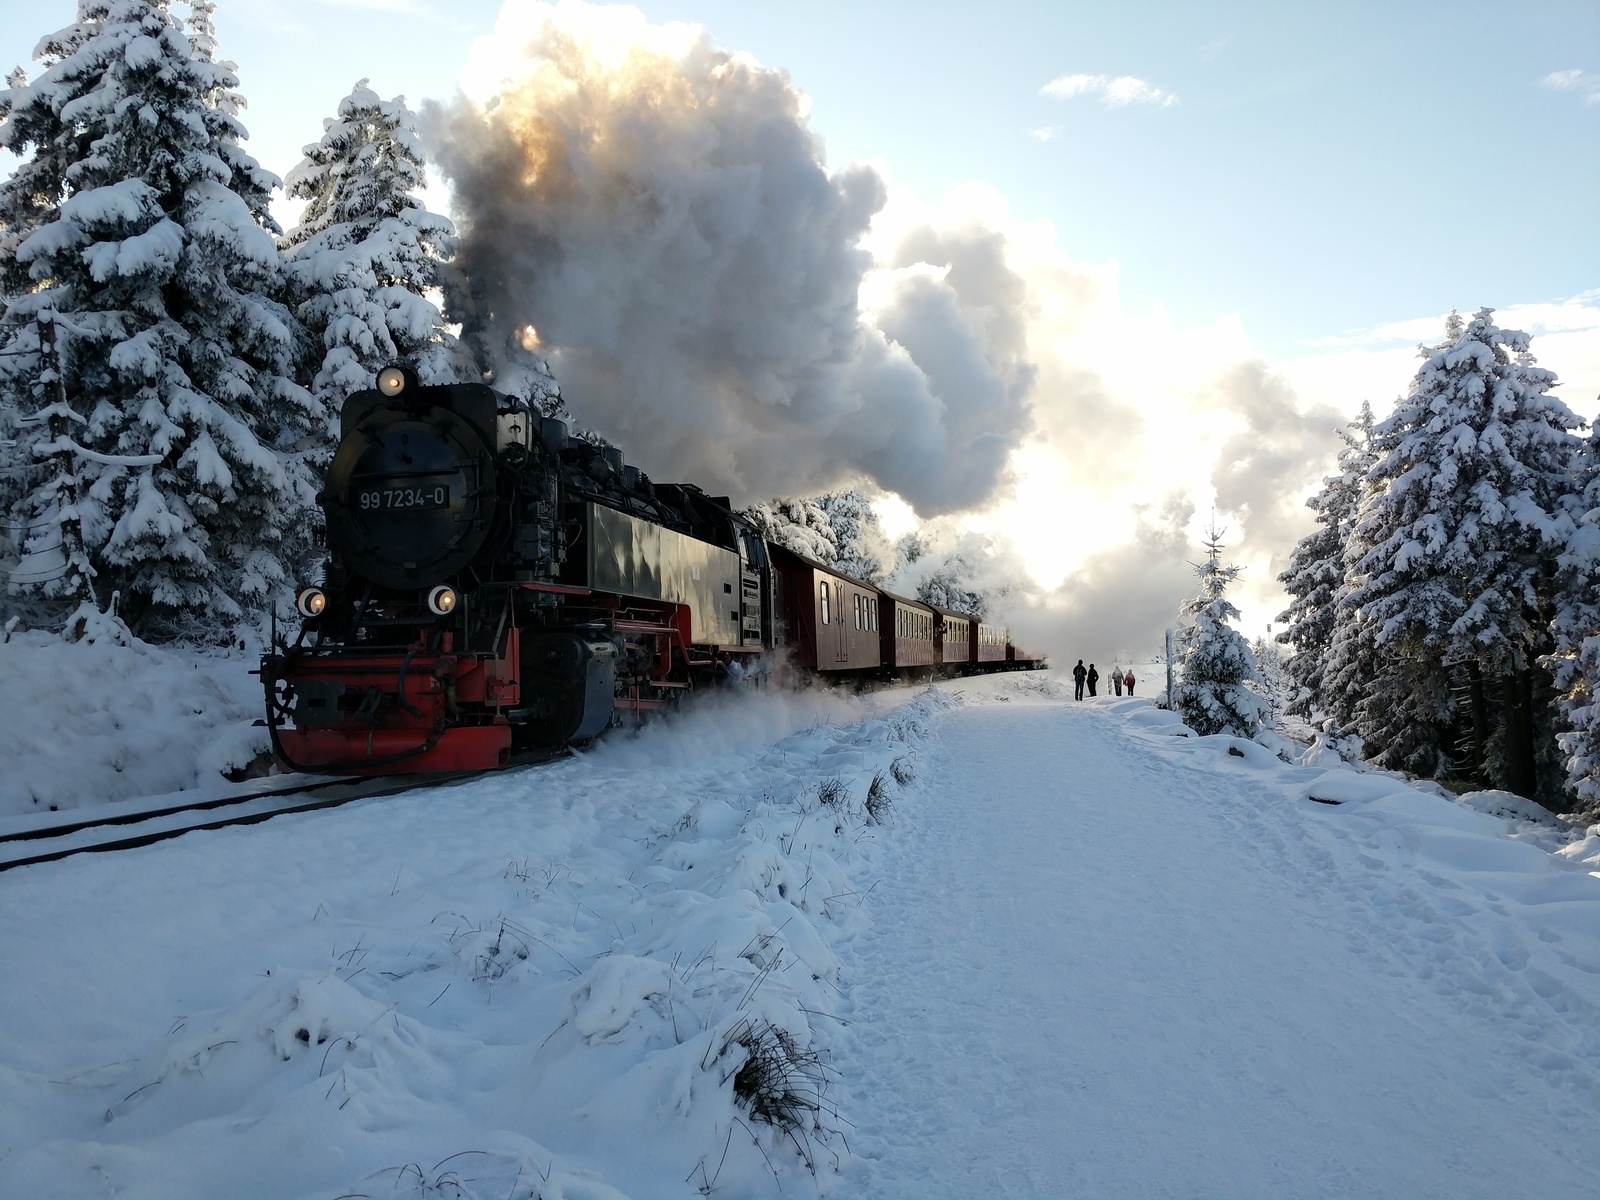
{"points": [[63, 444]]}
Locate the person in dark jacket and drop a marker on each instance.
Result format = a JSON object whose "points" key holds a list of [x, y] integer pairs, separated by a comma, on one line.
{"points": [[1077, 680], [1094, 678]]}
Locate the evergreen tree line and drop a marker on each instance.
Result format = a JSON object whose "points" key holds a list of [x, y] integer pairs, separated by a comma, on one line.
{"points": [[1446, 609], [841, 530], [171, 363]]}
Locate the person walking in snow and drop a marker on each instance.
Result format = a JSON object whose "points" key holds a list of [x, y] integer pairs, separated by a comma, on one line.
{"points": [[1128, 679], [1094, 678], [1077, 680], [1116, 680]]}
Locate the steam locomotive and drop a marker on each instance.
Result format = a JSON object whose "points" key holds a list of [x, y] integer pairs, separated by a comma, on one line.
{"points": [[495, 585]]}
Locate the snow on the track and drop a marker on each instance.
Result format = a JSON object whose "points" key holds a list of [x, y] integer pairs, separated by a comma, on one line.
{"points": [[1085, 956]]}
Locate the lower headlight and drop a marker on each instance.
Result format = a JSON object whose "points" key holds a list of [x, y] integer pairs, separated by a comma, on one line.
{"points": [[311, 602], [442, 600]]}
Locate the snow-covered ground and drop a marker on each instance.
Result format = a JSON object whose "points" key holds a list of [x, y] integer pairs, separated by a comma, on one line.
{"points": [[1073, 953], [89, 722]]}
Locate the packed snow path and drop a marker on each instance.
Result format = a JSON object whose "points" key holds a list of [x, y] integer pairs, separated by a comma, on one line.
{"points": [[1097, 971]]}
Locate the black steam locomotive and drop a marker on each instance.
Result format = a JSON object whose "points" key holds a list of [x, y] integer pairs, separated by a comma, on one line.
{"points": [[494, 584]]}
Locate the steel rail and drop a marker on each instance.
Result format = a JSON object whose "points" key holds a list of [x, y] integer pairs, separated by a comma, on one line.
{"points": [[52, 843]]}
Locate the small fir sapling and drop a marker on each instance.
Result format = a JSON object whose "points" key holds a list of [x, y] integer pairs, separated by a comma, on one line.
{"points": [[1216, 669]]}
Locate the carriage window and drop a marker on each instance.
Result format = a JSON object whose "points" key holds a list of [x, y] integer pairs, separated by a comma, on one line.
{"points": [[872, 615], [825, 618], [856, 604]]}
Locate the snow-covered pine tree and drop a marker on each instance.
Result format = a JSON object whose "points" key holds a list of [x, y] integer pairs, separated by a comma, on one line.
{"points": [[864, 550], [911, 548], [1576, 659], [31, 127], [1464, 524], [797, 525], [203, 31], [366, 253], [1215, 665], [247, 177], [953, 585], [1315, 577], [174, 353]]}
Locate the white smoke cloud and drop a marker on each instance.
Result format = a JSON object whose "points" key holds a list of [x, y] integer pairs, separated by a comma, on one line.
{"points": [[660, 212]]}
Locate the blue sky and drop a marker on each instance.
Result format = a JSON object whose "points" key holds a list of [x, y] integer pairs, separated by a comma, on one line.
{"points": [[1325, 167]]}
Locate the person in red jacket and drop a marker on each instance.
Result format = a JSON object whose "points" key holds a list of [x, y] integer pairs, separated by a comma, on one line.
{"points": [[1127, 681]]}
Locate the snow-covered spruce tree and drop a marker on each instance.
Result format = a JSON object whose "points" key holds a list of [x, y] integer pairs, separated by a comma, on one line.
{"points": [[1576, 658], [52, 560], [1315, 577], [31, 127], [174, 353], [953, 585], [864, 550], [366, 252], [797, 525], [1464, 524], [247, 177], [1215, 665]]}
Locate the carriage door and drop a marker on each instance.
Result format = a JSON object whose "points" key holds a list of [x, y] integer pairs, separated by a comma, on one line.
{"points": [[842, 653]]}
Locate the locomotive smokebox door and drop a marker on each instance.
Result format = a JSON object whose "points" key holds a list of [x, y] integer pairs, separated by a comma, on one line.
{"points": [[410, 498]]}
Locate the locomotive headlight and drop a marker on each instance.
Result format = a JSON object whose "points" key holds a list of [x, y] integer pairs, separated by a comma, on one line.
{"points": [[311, 602], [442, 600], [391, 381]]}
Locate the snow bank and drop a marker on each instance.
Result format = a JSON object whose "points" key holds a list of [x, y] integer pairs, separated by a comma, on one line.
{"points": [[87, 722], [585, 980]]}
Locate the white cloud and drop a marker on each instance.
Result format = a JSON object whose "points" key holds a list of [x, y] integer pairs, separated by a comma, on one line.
{"points": [[1575, 80], [1114, 91], [1043, 133], [1138, 413]]}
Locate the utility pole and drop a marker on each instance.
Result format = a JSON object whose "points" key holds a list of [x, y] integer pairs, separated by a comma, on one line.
{"points": [[1170, 702]]}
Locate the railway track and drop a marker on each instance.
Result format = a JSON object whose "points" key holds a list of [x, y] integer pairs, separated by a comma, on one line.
{"points": [[46, 837]]}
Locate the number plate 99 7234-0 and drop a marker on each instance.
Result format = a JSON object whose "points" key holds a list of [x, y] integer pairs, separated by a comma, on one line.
{"points": [[388, 499]]}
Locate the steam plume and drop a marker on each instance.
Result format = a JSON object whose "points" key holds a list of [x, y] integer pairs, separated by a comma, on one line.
{"points": [[659, 212]]}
